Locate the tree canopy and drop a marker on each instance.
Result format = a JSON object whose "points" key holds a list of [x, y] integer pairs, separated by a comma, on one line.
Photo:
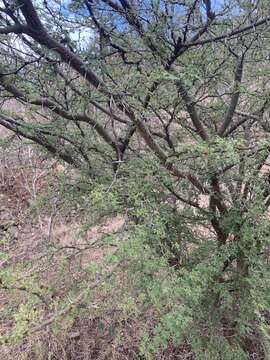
{"points": [[164, 107]]}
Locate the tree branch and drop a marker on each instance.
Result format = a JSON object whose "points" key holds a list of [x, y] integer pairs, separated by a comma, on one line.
{"points": [[235, 96], [59, 111], [15, 29], [229, 35], [191, 110]]}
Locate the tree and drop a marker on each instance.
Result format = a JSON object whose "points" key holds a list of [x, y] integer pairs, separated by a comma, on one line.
{"points": [[165, 105]]}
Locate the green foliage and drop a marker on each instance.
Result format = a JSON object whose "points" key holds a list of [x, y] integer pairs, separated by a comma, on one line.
{"points": [[200, 298], [161, 118]]}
